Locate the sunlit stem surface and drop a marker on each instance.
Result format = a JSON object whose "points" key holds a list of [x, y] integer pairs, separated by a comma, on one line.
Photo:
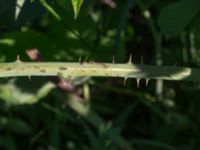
{"points": [[127, 70]]}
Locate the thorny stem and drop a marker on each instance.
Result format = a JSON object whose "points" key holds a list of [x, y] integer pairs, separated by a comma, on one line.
{"points": [[158, 48], [68, 70]]}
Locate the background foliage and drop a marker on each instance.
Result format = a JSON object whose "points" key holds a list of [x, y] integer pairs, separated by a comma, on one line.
{"points": [[96, 113]]}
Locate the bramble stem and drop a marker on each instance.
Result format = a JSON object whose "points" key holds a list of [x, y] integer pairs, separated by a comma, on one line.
{"points": [[128, 70]]}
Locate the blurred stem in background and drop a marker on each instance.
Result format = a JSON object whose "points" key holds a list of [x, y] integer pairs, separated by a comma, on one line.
{"points": [[157, 44], [122, 22]]}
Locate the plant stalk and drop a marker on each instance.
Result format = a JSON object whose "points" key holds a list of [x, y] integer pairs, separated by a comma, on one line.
{"points": [[128, 70]]}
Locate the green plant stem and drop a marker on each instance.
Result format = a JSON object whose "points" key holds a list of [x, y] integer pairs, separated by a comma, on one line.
{"points": [[127, 70]]}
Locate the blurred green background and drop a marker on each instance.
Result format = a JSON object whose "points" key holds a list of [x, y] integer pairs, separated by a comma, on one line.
{"points": [[48, 113]]}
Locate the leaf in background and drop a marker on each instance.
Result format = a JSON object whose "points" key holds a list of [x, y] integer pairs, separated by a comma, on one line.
{"points": [[19, 91], [28, 13], [7, 13], [17, 42], [50, 9], [7, 142], [176, 16], [15, 13], [15, 125], [76, 6], [18, 8], [7, 41]]}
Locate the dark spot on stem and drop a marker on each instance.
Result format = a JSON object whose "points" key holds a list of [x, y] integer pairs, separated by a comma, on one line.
{"points": [[104, 65], [43, 70], [62, 68], [8, 69], [107, 74], [36, 67], [91, 62]]}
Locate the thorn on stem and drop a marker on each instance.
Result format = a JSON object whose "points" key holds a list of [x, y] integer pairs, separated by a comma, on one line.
{"points": [[18, 59], [80, 60], [125, 79], [138, 83], [147, 82], [85, 59], [113, 60], [29, 78], [130, 59], [70, 79]]}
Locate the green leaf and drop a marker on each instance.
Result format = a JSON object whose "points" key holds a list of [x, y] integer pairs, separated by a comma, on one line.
{"points": [[176, 16], [50, 9], [76, 6], [15, 125], [7, 13], [19, 91], [18, 9]]}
